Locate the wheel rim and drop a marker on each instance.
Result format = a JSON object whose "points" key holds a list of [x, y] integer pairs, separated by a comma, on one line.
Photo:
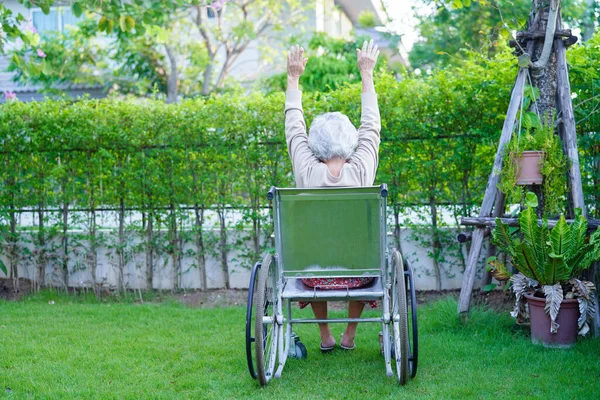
{"points": [[250, 336], [266, 333], [413, 349], [400, 320]]}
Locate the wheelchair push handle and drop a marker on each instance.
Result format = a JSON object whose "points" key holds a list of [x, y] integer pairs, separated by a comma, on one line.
{"points": [[383, 189], [271, 193]]}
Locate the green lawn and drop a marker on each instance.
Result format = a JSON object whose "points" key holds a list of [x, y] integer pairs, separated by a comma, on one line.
{"points": [[84, 349]]}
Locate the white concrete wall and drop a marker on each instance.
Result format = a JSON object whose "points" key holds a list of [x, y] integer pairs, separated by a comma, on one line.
{"points": [[416, 251]]}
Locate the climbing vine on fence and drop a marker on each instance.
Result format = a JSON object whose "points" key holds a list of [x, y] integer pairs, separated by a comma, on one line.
{"points": [[175, 166]]}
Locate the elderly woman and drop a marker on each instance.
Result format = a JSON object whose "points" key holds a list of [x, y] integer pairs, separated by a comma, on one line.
{"points": [[334, 154]]}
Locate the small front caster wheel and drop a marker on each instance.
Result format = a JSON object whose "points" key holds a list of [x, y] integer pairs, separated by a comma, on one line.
{"points": [[301, 352]]}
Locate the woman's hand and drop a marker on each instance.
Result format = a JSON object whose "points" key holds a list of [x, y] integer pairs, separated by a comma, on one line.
{"points": [[295, 66], [367, 58]]}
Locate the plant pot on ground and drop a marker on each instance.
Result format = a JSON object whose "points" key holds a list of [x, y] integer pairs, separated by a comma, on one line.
{"points": [[549, 262]]}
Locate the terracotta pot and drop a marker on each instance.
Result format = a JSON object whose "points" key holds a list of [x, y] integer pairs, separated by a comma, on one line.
{"points": [[528, 168], [540, 323]]}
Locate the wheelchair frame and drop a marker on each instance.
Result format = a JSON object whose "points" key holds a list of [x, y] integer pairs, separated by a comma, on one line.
{"points": [[269, 336]]}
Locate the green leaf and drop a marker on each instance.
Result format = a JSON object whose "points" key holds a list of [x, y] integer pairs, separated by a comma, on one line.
{"points": [[466, 3], [46, 68], [103, 24], [524, 60], [457, 4], [17, 60], [77, 9], [3, 268], [126, 23], [531, 200], [533, 247], [489, 287], [502, 238], [45, 8], [111, 26], [578, 233], [560, 237]]}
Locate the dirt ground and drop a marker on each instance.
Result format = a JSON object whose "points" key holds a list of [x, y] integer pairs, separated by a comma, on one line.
{"points": [[498, 300]]}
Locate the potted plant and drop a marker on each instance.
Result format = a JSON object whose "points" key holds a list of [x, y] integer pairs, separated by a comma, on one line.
{"points": [[549, 262], [535, 158]]}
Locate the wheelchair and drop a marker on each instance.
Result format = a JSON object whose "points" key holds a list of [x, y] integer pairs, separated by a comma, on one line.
{"points": [[329, 233]]}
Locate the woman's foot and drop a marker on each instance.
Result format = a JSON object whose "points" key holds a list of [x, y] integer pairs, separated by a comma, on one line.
{"points": [[327, 344], [347, 343]]}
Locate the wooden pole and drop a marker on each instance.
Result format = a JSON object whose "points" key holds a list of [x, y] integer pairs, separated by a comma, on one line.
{"points": [[567, 126], [491, 250], [490, 193], [491, 222], [568, 132]]}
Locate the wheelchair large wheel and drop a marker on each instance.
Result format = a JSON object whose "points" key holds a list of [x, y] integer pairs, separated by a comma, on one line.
{"points": [[266, 330], [400, 319], [250, 336], [413, 349]]}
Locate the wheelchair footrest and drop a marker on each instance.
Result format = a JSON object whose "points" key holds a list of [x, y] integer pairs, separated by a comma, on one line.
{"points": [[295, 290]]}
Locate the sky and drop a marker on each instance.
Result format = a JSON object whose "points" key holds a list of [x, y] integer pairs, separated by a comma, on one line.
{"points": [[403, 22]]}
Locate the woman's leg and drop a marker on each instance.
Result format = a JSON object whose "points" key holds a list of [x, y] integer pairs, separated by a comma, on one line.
{"points": [[320, 311], [355, 309]]}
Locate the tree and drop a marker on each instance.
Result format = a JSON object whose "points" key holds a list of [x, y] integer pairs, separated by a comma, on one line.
{"points": [[332, 64], [167, 43], [451, 26]]}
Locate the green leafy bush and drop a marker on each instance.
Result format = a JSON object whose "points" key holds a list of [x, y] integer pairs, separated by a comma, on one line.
{"points": [[549, 261]]}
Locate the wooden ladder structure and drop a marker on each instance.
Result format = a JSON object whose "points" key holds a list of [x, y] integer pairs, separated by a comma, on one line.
{"points": [[493, 204]]}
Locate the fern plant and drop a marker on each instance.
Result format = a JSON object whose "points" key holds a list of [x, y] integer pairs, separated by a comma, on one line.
{"points": [[549, 261]]}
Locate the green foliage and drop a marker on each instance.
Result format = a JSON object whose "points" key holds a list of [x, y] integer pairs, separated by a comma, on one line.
{"points": [[439, 137], [537, 137], [331, 64], [366, 19], [449, 29], [548, 256]]}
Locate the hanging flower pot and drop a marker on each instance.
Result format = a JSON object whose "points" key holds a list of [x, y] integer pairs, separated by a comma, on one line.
{"points": [[567, 318], [529, 168]]}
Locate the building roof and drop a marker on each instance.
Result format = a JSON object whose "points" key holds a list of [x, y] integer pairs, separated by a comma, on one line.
{"points": [[30, 92], [353, 8]]}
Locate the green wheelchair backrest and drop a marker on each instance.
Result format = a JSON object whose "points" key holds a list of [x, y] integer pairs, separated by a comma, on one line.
{"points": [[330, 232]]}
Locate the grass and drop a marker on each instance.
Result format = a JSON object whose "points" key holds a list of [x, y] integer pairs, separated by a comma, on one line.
{"points": [[80, 348]]}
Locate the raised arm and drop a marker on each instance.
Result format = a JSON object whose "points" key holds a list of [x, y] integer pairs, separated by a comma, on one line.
{"points": [[366, 155], [295, 127]]}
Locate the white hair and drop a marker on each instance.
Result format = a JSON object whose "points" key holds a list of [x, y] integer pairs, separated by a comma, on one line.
{"points": [[332, 135]]}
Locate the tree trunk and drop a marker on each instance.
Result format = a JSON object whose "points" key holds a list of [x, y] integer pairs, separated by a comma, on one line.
{"points": [[224, 71], [172, 79], [544, 78], [256, 224], [121, 246], [589, 23], [41, 252], [207, 78], [201, 259], [223, 245], [92, 255], [13, 252], [65, 246], [149, 253], [435, 243], [174, 247]]}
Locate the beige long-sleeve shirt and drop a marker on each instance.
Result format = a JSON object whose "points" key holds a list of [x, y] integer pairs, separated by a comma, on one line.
{"points": [[309, 171]]}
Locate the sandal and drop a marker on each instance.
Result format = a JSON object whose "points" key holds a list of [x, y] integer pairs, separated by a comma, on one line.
{"points": [[346, 347], [327, 349]]}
